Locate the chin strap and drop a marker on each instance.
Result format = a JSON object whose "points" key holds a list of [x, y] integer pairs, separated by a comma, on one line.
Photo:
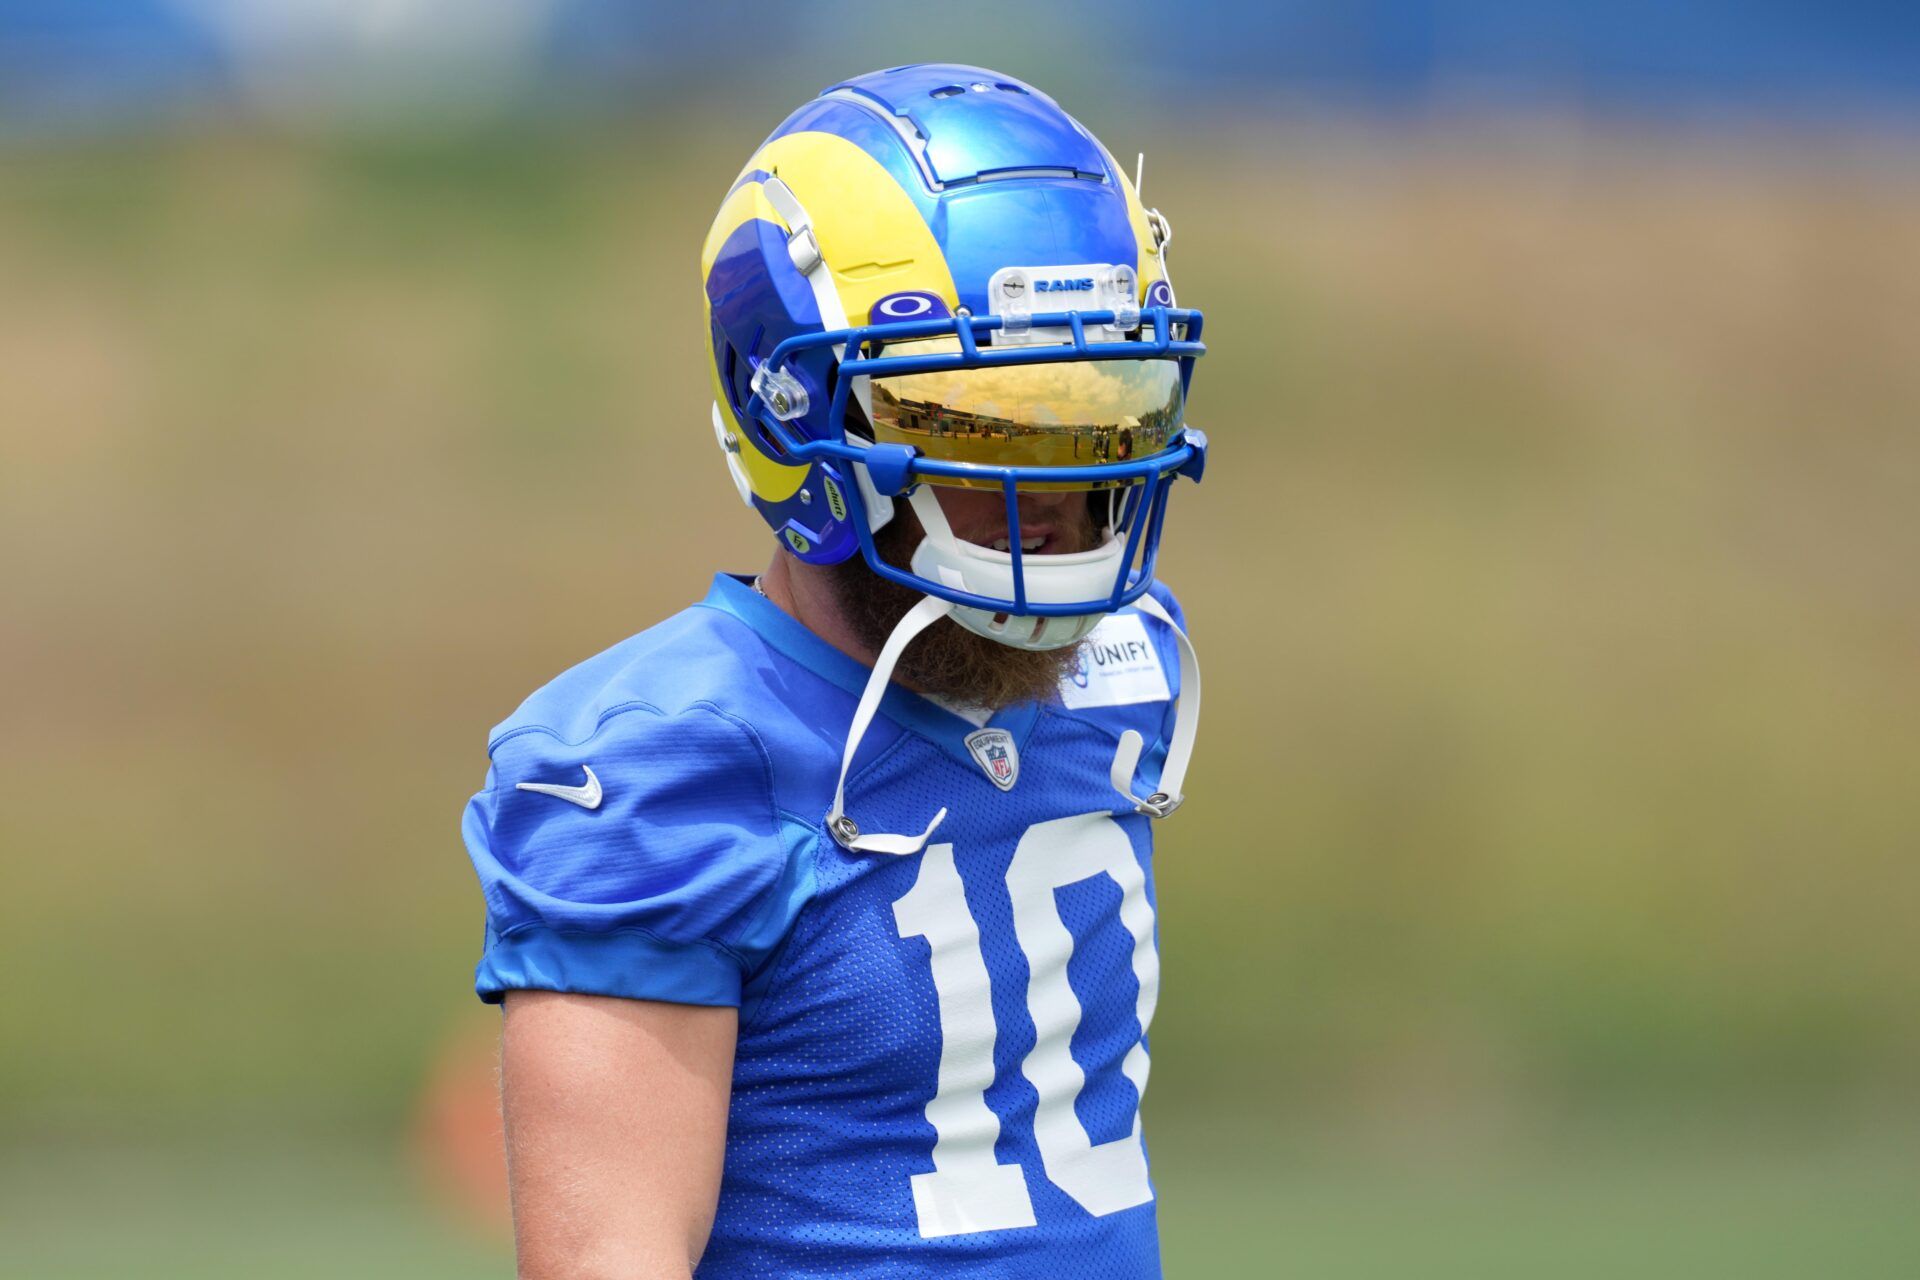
{"points": [[844, 830], [1186, 726]]}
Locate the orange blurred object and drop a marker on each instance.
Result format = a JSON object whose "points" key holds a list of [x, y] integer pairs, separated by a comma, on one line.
{"points": [[458, 1142]]}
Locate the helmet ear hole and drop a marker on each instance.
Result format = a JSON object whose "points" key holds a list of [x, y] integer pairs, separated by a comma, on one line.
{"points": [[733, 379]]}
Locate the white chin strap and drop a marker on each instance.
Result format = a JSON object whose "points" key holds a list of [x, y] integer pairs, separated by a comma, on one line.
{"points": [[844, 830], [1186, 726]]}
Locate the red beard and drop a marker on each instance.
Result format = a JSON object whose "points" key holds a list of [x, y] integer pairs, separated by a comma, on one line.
{"points": [[947, 661]]}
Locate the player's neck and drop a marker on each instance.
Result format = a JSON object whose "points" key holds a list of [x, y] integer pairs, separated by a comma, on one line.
{"points": [[808, 597]]}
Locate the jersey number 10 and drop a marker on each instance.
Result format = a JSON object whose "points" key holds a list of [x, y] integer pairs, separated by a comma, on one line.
{"points": [[968, 1190]]}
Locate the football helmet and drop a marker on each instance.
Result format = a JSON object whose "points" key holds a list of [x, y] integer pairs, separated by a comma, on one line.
{"points": [[934, 276]]}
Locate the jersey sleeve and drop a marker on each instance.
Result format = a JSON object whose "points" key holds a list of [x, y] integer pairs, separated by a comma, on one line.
{"points": [[655, 867]]}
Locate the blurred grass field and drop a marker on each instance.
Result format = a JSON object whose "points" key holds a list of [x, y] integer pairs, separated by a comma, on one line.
{"points": [[327, 1207], [1547, 899]]}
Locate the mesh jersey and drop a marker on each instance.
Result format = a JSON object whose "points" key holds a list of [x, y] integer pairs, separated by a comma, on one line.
{"points": [[940, 1056]]}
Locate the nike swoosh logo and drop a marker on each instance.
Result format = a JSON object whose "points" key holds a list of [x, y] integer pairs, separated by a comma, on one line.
{"points": [[587, 797]]}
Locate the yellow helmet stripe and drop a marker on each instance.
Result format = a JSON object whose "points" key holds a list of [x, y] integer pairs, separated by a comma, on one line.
{"points": [[871, 233]]}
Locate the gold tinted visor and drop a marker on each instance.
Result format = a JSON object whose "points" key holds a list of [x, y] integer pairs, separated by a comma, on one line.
{"points": [[1067, 414]]}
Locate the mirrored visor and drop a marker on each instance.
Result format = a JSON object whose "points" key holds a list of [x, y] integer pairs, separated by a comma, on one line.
{"points": [[1064, 414]]}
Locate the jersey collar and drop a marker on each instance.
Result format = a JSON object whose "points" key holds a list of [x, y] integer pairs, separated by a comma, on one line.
{"points": [[782, 632]]}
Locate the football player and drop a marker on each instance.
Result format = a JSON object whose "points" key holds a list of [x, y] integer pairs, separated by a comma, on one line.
{"points": [[823, 911]]}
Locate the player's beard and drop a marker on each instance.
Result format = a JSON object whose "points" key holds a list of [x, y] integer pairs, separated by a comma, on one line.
{"points": [[947, 661]]}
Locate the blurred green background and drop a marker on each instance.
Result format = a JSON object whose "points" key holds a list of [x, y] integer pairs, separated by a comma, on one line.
{"points": [[1548, 899]]}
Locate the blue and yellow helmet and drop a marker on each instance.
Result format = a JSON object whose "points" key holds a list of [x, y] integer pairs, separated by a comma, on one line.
{"points": [[935, 276]]}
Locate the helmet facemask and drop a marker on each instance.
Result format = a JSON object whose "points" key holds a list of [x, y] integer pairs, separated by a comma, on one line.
{"points": [[924, 403], [1035, 416]]}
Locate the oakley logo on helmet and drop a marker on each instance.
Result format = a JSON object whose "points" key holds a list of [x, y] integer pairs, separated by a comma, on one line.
{"points": [[913, 305]]}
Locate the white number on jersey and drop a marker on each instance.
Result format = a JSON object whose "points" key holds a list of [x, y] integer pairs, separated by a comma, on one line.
{"points": [[968, 1191]]}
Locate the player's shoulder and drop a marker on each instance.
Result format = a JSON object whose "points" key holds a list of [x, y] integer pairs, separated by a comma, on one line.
{"points": [[646, 736], [629, 839], [697, 704], [1163, 594], [686, 667]]}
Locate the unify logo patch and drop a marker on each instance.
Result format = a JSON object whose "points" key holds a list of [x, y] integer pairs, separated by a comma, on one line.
{"points": [[997, 756], [1118, 665]]}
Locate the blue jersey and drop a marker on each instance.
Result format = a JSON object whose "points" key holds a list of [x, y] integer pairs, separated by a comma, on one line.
{"points": [[941, 1055]]}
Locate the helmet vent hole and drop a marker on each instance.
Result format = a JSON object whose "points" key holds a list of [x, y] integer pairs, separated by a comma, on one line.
{"points": [[947, 91], [730, 378]]}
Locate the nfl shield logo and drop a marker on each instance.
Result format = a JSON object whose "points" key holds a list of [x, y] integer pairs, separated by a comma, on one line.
{"points": [[999, 759]]}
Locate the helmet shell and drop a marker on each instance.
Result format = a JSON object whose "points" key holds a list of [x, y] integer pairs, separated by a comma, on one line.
{"points": [[918, 184]]}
